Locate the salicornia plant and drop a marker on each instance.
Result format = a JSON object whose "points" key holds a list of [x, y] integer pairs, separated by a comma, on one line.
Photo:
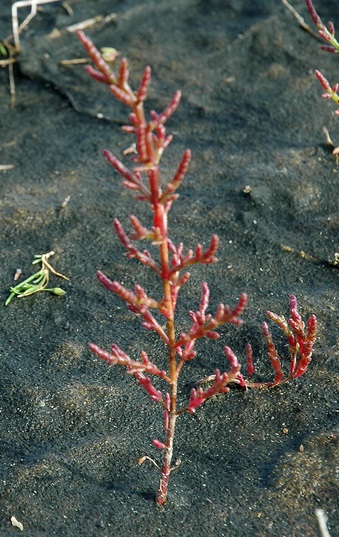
{"points": [[158, 314], [332, 45]]}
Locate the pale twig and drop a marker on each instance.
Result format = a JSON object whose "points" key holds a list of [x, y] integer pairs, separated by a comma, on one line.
{"points": [[147, 458], [13, 50], [6, 63], [11, 84], [15, 23], [322, 520], [65, 202], [25, 22], [88, 23], [299, 19], [74, 61], [330, 142], [9, 62], [6, 167], [44, 264]]}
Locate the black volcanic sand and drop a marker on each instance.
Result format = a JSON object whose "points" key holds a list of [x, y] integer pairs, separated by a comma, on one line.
{"points": [[73, 428]]}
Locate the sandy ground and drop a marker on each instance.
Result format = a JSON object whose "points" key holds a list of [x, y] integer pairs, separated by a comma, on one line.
{"points": [[72, 428]]}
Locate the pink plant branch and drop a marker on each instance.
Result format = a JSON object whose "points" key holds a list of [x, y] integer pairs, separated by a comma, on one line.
{"points": [[327, 34], [161, 118], [144, 257], [118, 356], [205, 325], [331, 93], [198, 397], [174, 184], [219, 385], [273, 354], [332, 45], [249, 360], [146, 383], [140, 231], [181, 261], [135, 368], [133, 180], [138, 303], [150, 145], [138, 300], [300, 339]]}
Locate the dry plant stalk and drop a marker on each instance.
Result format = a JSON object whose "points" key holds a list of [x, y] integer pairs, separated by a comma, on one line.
{"points": [[15, 22], [10, 46], [171, 268]]}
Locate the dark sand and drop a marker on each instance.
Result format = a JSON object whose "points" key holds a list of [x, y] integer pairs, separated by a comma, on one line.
{"points": [[72, 428]]}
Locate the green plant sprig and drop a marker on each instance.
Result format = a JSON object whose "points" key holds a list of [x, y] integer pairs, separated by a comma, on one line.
{"points": [[38, 281]]}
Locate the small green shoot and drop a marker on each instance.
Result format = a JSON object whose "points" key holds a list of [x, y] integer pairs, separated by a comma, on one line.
{"points": [[38, 281], [3, 50]]}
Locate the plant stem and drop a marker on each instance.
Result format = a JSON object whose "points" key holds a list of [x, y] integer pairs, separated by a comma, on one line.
{"points": [[160, 221], [161, 496]]}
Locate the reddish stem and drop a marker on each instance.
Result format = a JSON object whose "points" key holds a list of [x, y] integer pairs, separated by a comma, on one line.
{"points": [[160, 220]]}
